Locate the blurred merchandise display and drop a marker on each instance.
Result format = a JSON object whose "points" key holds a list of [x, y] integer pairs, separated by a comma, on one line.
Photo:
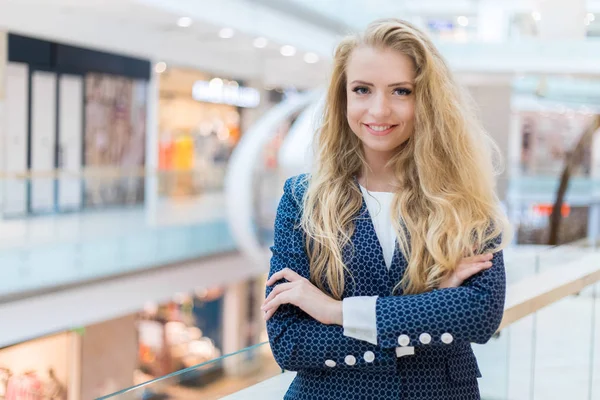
{"points": [[115, 136], [76, 138], [83, 363], [189, 331], [451, 29], [533, 223], [36, 370], [547, 136], [196, 133], [182, 333]]}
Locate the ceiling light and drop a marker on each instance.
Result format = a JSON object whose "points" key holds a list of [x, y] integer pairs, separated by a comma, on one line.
{"points": [[160, 67], [215, 83], [536, 15], [288, 50], [311, 58], [226, 33], [184, 22], [260, 42], [463, 21]]}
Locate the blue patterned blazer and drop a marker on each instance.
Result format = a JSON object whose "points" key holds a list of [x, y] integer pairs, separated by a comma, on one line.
{"points": [[436, 328]]}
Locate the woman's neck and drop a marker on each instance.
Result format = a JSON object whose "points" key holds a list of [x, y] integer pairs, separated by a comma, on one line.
{"points": [[376, 176]]}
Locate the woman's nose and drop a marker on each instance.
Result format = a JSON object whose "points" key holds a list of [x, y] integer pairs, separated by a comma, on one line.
{"points": [[380, 107]]}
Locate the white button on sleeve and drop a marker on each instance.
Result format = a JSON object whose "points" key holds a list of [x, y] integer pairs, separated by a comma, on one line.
{"points": [[369, 356], [403, 340], [359, 318], [350, 360], [447, 338], [330, 363], [425, 338]]}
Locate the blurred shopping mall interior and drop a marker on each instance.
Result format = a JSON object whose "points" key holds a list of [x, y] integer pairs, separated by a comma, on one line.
{"points": [[143, 149]]}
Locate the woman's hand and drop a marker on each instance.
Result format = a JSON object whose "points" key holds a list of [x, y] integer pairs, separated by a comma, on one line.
{"points": [[468, 267], [302, 293]]}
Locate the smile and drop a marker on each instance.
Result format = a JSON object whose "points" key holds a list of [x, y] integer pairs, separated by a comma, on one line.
{"points": [[379, 130]]}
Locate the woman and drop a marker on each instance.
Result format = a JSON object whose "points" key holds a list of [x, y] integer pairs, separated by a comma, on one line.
{"points": [[388, 258]]}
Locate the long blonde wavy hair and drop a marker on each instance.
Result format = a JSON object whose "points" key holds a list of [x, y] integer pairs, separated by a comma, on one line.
{"points": [[445, 201]]}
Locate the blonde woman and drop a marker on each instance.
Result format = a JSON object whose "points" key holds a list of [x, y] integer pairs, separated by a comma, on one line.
{"points": [[387, 260]]}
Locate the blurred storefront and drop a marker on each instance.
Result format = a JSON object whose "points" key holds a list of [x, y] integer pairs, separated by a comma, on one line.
{"points": [[546, 138], [181, 333], [200, 120], [115, 138], [186, 331], [83, 363], [194, 328], [546, 135], [36, 370], [75, 128]]}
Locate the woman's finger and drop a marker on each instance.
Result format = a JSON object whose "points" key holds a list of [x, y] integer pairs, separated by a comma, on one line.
{"points": [[269, 313], [465, 273], [467, 265], [285, 273], [278, 289], [282, 298], [478, 258]]}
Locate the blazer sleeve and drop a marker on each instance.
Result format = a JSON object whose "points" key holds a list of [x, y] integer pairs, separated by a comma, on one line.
{"points": [[298, 341], [469, 313]]}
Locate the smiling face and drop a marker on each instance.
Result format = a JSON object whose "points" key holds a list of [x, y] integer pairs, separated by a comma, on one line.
{"points": [[381, 102]]}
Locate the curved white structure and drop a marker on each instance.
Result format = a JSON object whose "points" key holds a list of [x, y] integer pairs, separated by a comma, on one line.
{"points": [[240, 173], [297, 152]]}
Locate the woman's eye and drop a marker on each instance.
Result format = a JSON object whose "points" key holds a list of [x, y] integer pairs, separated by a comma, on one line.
{"points": [[402, 91], [360, 90]]}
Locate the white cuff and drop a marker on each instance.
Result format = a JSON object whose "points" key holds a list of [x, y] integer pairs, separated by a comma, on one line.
{"points": [[360, 318]]}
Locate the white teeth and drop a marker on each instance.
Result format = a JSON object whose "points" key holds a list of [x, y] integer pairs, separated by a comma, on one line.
{"points": [[380, 128]]}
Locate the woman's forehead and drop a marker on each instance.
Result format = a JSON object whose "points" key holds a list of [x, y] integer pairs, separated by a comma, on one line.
{"points": [[379, 66]]}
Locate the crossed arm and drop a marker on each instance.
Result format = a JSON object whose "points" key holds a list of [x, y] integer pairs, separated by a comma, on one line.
{"points": [[304, 324]]}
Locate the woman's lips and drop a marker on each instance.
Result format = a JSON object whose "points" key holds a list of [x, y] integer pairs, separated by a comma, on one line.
{"points": [[379, 129]]}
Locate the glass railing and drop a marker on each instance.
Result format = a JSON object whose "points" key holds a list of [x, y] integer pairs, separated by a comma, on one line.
{"points": [[65, 228], [553, 352], [61, 228], [214, 379]]}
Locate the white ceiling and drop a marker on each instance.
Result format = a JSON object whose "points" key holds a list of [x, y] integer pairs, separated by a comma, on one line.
{"points": [[144, 30], [147, 28], [358, 13]]}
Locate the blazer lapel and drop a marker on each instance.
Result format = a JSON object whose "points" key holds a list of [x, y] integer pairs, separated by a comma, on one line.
{"points": [[369, 249], [365, 234], [397, 269]]}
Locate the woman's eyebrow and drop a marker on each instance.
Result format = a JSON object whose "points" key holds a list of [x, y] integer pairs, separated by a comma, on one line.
{"points": [[390, 85], [401, 83], [362, 83]]}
